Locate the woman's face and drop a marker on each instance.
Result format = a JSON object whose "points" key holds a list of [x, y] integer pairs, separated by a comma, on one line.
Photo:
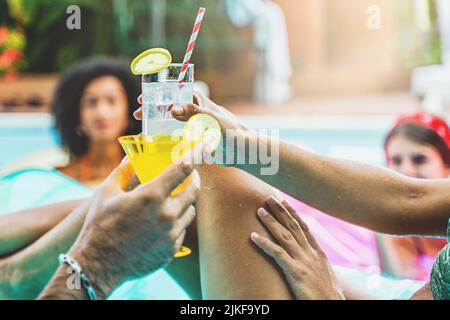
{"points": [[104, 109], [415, 160]]}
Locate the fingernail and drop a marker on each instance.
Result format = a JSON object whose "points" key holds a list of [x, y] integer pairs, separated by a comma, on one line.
{"points": [[262, 212], [177, 110], [272, 200], [254, 236], [124, 160]]}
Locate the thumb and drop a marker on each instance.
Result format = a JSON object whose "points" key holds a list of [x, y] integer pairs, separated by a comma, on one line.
{"points": [[185, 112]]}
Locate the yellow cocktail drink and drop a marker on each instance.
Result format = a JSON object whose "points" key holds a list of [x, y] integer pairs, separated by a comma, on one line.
{"points": [[151, 155]]}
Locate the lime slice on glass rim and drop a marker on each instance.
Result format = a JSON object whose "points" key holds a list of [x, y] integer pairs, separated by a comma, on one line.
{"points": [[151, 61], [203, 127]]}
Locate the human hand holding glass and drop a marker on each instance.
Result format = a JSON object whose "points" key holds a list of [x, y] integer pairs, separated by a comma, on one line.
{"points": [[133, 232], [201, 105]]}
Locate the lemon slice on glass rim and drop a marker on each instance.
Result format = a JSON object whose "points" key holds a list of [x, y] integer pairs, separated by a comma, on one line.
{"points": [[151, 61], [205, 128]]}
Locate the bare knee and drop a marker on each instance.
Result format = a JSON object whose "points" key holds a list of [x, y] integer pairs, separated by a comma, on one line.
{"points": [[231, 266]]}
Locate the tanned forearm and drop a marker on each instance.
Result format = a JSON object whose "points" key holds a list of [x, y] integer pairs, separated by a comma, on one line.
{"points": [[28, 271], [62, 285], [20, 229], [376, 198], [58, 288]]}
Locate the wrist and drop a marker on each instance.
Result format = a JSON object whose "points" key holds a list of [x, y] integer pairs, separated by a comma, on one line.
{"points": [[60, 287], [97, 273]]}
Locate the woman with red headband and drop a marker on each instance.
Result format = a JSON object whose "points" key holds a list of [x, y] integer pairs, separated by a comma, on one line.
{"points": [[417, 146]]}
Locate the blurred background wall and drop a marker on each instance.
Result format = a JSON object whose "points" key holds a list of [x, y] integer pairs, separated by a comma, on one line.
{"points": [[332, 50]]}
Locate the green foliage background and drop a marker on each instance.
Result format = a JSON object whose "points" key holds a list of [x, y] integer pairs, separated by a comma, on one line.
{"points": [[123, 28], [417, 47], [113, 27]]}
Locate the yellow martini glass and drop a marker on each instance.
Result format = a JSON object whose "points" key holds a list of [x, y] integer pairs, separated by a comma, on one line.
{"points": [[150, 155]]}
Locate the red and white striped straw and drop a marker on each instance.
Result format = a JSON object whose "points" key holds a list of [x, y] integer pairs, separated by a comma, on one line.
{"points": [[190, 48]]}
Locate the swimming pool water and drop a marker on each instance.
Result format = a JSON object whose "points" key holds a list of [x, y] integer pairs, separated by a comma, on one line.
{"points": [[22, 135]]}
